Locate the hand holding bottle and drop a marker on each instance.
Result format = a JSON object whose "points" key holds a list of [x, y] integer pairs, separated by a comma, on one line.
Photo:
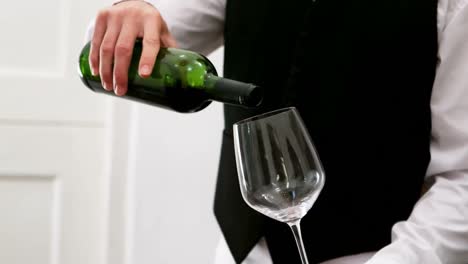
{"points": [[116, 29]]}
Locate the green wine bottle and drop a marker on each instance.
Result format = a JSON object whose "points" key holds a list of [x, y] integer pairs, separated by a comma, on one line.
{"points": [[181, 80]]}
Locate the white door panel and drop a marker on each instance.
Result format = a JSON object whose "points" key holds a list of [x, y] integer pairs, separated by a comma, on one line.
{"points": [[39, 61], [52, 195], [54, 138], [63, 99], [27, 230]]}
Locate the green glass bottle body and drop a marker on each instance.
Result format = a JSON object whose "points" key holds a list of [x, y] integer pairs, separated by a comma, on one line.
{"points": [[181, 80]]}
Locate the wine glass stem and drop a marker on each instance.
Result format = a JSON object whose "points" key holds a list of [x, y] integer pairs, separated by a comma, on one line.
{"points": [[296, 229]]}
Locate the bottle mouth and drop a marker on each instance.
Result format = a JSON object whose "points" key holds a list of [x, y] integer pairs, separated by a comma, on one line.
{"points": [[254, 98]]}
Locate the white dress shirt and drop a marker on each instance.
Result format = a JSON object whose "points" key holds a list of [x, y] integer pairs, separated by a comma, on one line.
{"points": [[437, 230]]}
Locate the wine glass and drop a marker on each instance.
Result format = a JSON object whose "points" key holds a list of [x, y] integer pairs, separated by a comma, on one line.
{"points": [[280, 174]]}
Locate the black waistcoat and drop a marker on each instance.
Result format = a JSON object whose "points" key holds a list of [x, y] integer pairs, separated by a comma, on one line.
{"points": [[363, 90]]}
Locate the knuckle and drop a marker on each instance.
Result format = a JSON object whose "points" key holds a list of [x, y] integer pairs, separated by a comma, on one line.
{"points": [[103, 14], [151, 41], [123, 50], [95, 44], [120, 78], [130, 11], [93, 59], [106, 77], [156, 13], [152, 15], [105, 73], [107, 49], [119, 12], [116, 14]]}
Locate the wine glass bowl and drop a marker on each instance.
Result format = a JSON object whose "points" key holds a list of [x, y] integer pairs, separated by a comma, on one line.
{"points": [[286, 203], [280, 174]]}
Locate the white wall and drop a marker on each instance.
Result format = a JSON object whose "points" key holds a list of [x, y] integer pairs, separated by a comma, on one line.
{"points": [[172, 183]]}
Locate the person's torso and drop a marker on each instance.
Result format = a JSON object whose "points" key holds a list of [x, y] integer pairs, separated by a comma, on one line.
{"points": [[364, 88]]}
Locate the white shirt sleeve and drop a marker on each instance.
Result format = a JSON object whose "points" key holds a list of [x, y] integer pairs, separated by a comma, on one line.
{"points": [[437, 230], [197, 25]]}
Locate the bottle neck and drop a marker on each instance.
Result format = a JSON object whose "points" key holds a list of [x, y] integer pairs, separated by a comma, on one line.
{"points": [[233, 92]]}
